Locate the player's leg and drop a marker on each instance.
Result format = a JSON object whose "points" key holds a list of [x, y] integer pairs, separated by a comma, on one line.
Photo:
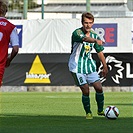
{"points": [[85, 98], [80, 81], [99, 97], [94, 79]]}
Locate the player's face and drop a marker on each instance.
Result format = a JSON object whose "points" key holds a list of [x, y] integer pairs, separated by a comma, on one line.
{"points": [[87, 24]]}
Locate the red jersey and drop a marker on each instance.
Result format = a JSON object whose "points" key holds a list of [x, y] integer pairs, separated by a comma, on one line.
{"points": [[6, 29]]}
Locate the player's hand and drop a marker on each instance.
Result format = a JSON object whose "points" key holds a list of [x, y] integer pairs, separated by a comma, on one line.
{"points": [[100, 42], [8, 62], [105, 71]]}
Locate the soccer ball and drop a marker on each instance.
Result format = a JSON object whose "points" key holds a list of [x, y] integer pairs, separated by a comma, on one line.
{"points": [[111, 112]]}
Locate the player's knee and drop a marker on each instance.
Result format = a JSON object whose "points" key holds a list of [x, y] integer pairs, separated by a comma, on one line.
{"points": [[85, 91], [100, 90]]}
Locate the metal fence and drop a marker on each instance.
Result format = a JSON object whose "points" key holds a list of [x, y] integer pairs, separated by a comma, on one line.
{"points": [[40, 9]]}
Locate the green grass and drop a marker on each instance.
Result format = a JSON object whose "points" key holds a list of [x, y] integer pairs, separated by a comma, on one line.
{"points": [[33, 112]]}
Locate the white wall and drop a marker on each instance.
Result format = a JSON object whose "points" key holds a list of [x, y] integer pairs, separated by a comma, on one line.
{"points": [[54, 35]]}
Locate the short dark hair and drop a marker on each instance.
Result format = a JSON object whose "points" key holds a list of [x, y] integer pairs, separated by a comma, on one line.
{"points": [[87, 15], [3, 8]]}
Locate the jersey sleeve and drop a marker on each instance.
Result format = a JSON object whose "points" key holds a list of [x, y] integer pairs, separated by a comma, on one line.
{"points": [[78, 35], [14, 40], [97, 47]]}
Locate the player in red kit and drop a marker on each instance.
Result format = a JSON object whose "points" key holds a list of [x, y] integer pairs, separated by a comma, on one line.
{"points": [[8, 35]]}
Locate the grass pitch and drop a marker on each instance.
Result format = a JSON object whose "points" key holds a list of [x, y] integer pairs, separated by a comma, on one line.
{"points": [[33, 112]]}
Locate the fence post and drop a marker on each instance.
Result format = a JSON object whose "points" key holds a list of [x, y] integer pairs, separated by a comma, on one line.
{"points": [[42, 9], [88, 5], [25, 8]]}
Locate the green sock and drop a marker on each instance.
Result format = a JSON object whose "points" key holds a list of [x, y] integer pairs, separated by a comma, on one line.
{"points": [[100, 101], [86, 103]]}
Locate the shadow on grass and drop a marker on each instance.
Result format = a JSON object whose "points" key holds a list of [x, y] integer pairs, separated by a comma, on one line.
{"points": [[63, 124]]}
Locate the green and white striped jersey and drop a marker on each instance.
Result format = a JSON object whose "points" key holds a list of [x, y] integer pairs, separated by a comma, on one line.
{"points": [[80, 60]]}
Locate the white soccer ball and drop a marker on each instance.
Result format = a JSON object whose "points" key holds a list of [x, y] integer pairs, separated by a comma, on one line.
{"points": [[111, 112]]}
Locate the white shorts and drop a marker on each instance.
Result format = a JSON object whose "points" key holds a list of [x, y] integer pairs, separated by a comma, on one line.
{"points": [[81, 79]]}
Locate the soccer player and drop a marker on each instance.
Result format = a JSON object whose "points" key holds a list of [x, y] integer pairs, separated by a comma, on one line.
{"points": [[83, 67], [8, 34]]}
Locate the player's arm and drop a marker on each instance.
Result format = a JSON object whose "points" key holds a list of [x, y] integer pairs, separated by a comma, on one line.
{"points": [[79, 36], [12, 55], [92, 40], [14, 40], [102, 59]]}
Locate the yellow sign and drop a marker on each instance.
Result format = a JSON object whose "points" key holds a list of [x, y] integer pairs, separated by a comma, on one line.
{"points": [[37, 73]]}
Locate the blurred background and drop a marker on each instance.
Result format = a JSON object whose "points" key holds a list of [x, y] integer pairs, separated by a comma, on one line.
{"points": [[37, 9]]}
